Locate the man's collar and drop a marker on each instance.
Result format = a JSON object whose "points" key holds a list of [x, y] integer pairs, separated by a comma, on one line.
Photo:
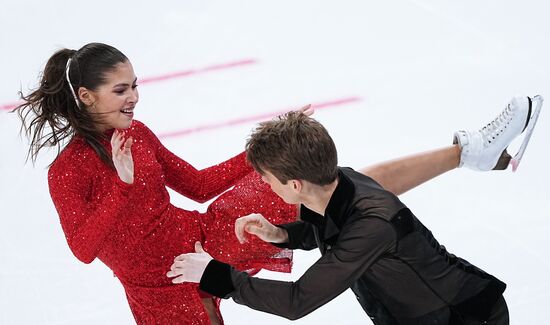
{"points": [[341, 198], [336, 209]]}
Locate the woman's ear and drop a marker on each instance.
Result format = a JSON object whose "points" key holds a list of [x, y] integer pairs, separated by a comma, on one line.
{"points": [[86, 96]]}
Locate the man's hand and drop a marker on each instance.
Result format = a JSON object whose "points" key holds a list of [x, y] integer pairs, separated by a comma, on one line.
{"points": [[190, 267], [257, 225]]}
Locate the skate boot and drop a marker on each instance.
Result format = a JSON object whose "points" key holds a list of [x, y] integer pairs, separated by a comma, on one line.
{"points": [[486, 149]]}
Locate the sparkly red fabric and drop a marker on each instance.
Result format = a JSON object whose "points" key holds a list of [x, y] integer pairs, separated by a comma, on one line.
{"points": [[137, 233]]}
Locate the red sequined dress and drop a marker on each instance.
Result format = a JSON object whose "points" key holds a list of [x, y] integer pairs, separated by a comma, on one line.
{"points": [[137, 233]]}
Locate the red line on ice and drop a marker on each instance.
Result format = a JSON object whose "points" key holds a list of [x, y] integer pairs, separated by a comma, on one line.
{"points": [[214, 126]]}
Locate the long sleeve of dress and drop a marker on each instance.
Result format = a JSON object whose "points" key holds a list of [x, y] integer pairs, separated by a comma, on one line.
{"points": [[88, 202], [198, 185]]}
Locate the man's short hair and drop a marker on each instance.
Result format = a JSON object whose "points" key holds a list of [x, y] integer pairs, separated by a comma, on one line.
{"points": [[293, 146]]}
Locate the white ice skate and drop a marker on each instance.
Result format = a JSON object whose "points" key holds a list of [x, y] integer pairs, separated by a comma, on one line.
{"points": [[486, 149]]}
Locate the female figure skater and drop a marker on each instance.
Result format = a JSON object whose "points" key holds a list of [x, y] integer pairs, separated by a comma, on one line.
{"points": [[108, 185]]}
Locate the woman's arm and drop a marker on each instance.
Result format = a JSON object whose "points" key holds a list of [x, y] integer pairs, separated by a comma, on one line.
{"points": [[88, 206], [199, 185], [202, 185]]}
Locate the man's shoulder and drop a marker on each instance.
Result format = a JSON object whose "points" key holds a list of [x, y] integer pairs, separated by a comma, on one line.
{"points": [[370, 199]]}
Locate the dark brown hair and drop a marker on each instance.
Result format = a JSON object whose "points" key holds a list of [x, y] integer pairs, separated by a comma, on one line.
{"points": [[50, 115], [293, 146]]}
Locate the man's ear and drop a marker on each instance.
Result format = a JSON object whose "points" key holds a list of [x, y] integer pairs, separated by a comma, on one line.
{"points": [[297, 185], [86, 96]]}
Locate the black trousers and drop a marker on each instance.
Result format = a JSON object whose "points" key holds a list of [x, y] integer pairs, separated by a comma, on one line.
{"points": [[499, 315]]}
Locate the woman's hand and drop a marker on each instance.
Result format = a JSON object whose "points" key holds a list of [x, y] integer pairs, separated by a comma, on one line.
{"points": [[122, 157], [307, 110]]}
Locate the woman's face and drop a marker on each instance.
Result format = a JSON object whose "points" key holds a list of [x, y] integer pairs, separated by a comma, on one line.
{"points": [[112, 104]]}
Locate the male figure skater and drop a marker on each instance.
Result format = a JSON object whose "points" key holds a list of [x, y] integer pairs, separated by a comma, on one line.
{"points": [[369, 240]]}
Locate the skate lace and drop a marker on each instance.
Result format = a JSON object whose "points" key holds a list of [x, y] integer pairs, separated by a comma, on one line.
{"points": [[493, 129]]}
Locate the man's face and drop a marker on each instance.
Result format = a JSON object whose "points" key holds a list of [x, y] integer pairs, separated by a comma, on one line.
{"points": [[289, 192]]}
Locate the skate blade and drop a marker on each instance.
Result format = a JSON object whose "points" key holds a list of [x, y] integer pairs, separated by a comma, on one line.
{"points": [[528, 131]]}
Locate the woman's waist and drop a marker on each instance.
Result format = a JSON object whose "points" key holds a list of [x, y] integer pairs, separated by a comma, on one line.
{"points": [[148, 277], [146, 266], [157, 224], [146, 248]]}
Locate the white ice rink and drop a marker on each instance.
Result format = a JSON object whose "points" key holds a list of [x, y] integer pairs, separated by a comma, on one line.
{"points": [[408, 73]]}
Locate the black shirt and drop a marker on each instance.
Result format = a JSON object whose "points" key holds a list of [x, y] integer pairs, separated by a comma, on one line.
{"points": [[372, 243]]}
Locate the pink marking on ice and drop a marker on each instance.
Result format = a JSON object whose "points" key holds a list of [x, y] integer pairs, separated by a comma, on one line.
{"points": [[259, 117], [187, 73], [172, 75], [8, 107]]}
